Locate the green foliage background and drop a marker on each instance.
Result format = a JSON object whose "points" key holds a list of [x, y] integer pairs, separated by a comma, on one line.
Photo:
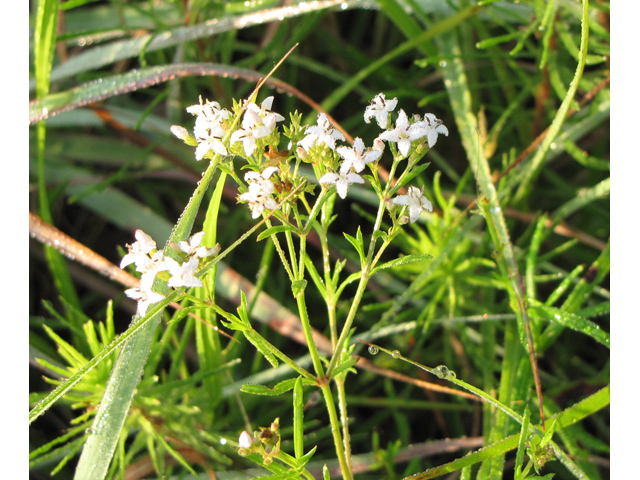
{"points": [[111, 77]]}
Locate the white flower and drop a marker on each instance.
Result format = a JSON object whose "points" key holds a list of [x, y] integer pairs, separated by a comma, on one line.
{"points": [[404, 133], [193, 247], [138, 251], [323, 132], [151, 266], [355, 157], [208, 131], [245, 440], [252, 129], [144, 295], [380, 108], [209, 128], [433, 127], [416, 202], [183, 275], [260, 190], [341, 181], [209, 110], [268, 117]]}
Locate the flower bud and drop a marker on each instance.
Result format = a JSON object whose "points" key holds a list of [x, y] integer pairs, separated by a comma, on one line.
{"points": [[378, 145], [245, 440], [180, 132], [302, 154]]}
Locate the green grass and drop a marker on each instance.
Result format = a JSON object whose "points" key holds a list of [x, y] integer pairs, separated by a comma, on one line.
{"points": [[513, 260]]}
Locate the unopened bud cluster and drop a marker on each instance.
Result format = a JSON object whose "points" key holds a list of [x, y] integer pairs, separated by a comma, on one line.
{"points": [[266, 442]]}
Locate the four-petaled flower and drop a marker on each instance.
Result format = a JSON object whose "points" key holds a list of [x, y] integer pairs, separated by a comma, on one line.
{"points": [[380, 109], [342, 181], [404, 133], [144, 295], [323, 132], [416, 202], [434, 126], [183, 275], [356, 157], [260, 190], [252, 129], [209, 128], [138, 251], [268, 117], [193, 247]]}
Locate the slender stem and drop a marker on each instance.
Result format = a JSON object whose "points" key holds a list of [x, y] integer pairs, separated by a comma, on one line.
{"points": [[362, 284], [335, 430], [344, 418], [306, 329]]}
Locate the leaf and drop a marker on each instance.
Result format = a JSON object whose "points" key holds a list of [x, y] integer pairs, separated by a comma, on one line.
{"points": [[119, 50], [298, 287], [262, 346], [357, 244], [572, 321], [274, 230], [414, 257], [278, 389]]}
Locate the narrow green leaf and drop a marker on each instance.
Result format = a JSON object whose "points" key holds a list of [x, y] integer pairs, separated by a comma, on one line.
{"points": [[278, 389], [357, 245], [303, 460], [572, 321], [274, 230], [262, 346], [524, 435], [100, 56], [44, 42], [405, 259], [112, 412]]}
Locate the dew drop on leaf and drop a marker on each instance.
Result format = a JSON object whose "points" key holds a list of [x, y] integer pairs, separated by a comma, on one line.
{"points": [[396, 354], [373, 350], [441, 371]]}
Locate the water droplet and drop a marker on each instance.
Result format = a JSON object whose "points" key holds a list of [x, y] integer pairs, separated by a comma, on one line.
{"points": [[396, 354], [441, 371], [373, 350], [443, 63], [223, 441]]}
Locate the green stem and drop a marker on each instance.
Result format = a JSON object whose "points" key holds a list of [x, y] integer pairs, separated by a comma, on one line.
{"points": [[362, 284], [306, 329], [344, 417], [335, 430]]}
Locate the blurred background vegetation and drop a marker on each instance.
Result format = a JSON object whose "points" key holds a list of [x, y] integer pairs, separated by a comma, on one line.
{"points": [[498, 75]]}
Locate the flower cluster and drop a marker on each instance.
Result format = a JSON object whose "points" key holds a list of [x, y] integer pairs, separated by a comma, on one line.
{"points": [[150, 261], [209, 128], [260, 190], [355, 158], [338, 165]]}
